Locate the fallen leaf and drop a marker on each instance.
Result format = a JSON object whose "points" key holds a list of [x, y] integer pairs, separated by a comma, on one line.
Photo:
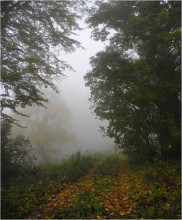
{"points": [[122, 213]]}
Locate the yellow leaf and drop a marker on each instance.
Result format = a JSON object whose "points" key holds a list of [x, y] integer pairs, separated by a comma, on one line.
{"points": [[122, 213], [109, 206], [99, 217], [167, 206]]}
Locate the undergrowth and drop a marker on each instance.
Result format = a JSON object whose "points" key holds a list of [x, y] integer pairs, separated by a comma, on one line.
{"points": [[103, 187], [23, 194]]}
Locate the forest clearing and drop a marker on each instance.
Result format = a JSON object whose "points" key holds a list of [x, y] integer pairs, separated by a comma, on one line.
{"points": [[95, 187]]}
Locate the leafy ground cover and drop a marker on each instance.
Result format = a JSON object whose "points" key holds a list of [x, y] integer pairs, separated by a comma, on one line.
{"points": [[108, 188], [24, 194]]}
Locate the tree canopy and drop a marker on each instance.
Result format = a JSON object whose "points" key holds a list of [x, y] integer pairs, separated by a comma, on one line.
{"points": [[135, 82], [30, 31]]}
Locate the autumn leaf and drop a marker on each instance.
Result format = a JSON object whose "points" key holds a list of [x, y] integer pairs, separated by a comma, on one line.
{"points": [[122, 213], [125, 198]]}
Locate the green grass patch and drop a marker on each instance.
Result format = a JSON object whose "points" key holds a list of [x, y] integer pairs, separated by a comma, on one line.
{"points": [[23, 194]]}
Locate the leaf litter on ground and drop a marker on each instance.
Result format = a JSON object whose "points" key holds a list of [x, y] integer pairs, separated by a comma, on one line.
{"points": [[122, 193]]}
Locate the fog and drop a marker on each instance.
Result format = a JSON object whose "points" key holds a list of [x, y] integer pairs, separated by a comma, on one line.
{"points": [[76, 95], [76, 127]]}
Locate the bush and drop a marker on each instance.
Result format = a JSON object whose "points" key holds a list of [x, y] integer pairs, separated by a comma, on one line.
{"points": [[23, 194], [16, 153], [162, 171], [108, 166], [162, 200]]}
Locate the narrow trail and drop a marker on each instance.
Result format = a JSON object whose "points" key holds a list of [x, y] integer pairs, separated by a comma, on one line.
{"points": [[62, 199], [122, 194], [112, 193], [66, 196]]}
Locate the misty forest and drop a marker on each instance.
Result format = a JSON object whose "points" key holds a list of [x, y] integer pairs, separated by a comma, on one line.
{"points": [[90, 109]]}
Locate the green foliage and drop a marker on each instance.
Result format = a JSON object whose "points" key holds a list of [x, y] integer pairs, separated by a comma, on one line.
{"points": [[82, 163], [107, 167], [23, 194], [151, 191], [85, 206], [135, 81], [66, 170], [163, 198], [30, 32], [16, 153], [162, 172]]}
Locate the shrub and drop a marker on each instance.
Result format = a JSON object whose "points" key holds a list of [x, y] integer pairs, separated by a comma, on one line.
{"points": [[16, 153], [22, 194], [108, 166]]}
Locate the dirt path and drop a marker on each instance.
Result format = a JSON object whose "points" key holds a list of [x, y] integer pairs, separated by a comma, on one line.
{"points": [[65, 197], [112, 193], [62, 199], [122, 195]]}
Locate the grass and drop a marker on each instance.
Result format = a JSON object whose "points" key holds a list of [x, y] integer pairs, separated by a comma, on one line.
{"points": [[95, 187], [23, 194]]}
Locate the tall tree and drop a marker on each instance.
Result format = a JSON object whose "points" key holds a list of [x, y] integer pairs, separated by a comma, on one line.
{"points": [[49, 128], [135, 82], [30, 32]]}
